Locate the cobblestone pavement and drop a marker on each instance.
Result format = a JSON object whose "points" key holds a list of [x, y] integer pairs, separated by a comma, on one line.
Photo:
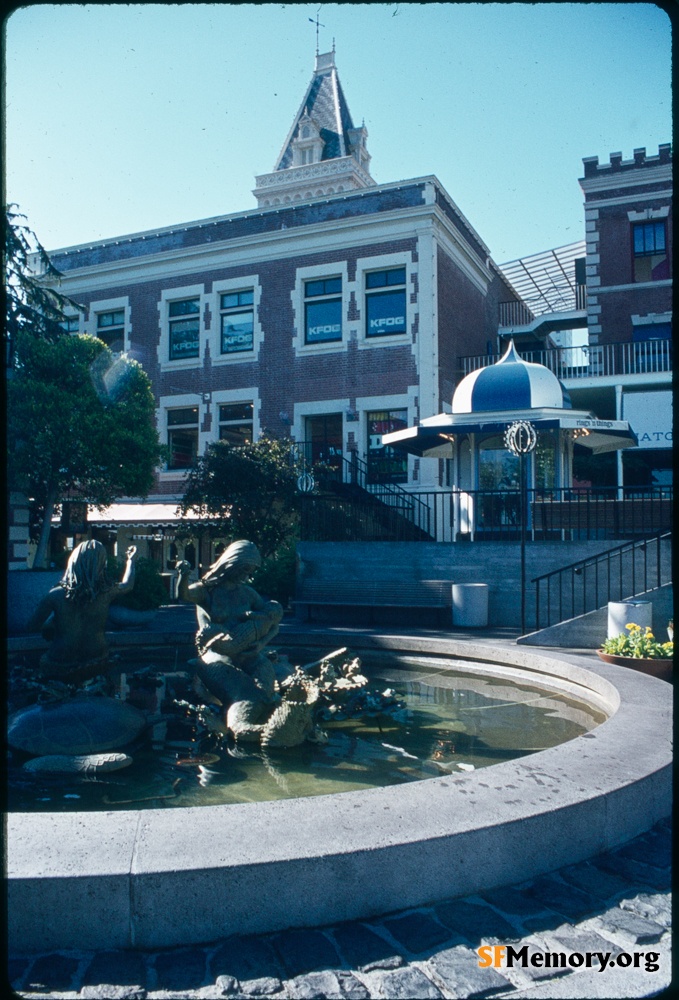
{"points": [[617, 903]]}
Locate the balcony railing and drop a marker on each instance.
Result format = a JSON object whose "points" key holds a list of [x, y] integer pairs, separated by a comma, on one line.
{"points": [[523, 313], [491, 515], [593, 360]]}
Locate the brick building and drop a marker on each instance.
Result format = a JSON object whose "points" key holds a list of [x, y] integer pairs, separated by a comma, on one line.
{"points": [[601, 313], [628, 223], [336, 310]]}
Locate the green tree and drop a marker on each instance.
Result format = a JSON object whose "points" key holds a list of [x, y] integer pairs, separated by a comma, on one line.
{"points": [[246, 491], [31, 306], [80, 424]]}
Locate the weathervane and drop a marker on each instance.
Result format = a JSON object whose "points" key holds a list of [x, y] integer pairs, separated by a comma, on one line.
{"points": [[318, 24]]}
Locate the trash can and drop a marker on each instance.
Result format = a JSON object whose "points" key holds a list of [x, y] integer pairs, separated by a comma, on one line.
{"points": [[622, 613], [470, 605]]}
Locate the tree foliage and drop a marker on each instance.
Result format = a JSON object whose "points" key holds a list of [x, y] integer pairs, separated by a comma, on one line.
{"points": [[80, 423], [246, 491], [31, 305]]}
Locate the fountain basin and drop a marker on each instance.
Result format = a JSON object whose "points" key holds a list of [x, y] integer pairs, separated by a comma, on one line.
{"points": [[158, 878]]}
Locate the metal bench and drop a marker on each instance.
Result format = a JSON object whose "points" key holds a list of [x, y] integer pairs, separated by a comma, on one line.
{"points": [[373, 594]]}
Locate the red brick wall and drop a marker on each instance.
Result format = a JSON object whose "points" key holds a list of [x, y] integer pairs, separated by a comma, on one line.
{"points": [[467, 320]]}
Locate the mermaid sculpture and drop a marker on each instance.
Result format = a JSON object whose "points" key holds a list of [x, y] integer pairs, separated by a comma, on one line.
{"points": [[73, 614], [234, 626]]}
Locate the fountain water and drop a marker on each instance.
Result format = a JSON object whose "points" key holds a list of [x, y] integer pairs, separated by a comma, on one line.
{"points": [[161, 877]]}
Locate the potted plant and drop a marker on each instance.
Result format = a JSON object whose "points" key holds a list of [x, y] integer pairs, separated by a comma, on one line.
{"points": [[138, 607], [638, 648]]}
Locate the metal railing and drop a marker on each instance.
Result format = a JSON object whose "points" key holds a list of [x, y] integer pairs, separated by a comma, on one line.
{"points": [[495, 515], [335, 471], [623, 572], [591, 360]]}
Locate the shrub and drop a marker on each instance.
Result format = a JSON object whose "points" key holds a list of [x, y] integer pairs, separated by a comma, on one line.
{"points": [[149, 591], [275, 578]]}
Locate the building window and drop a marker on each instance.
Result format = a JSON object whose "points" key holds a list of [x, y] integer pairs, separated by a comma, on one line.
{"points": [[71, 324], [111, 329], [184, 322], [385, 301], [649, 246], [182, 437], [322, 310], [237, 318], [385, 465], [235, 422]]}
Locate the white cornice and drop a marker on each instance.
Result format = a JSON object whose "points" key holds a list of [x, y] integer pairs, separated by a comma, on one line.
{"points": [[607, 178], [317, 238], [262, 247], [631, 197], [248, 213], [450, 240]]}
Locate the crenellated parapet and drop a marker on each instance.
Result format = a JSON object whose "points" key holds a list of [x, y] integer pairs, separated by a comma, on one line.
{"points": [[616, 163]]}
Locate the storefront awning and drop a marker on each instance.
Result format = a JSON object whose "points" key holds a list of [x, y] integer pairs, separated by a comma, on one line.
{"points": [[434, 436], [136, 515]]}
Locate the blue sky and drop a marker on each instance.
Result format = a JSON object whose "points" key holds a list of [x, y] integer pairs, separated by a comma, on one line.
{"points": [[121, 118]]}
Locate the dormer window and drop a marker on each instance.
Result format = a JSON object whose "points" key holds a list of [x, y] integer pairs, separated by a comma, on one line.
{"points": [[308, 146]]}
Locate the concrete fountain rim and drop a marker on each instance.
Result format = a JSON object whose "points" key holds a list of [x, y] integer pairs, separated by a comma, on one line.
{"points": [[160, 878]]}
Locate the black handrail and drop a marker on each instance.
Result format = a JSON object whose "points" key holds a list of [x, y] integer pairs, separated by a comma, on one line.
{"points": [[585, 594], [339, 468]]}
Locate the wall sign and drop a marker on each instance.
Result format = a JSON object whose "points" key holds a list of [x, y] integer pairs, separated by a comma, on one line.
{"points": [[650, 417]]}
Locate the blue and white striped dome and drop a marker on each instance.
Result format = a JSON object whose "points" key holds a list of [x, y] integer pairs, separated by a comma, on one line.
{"points": [[510, 384]]}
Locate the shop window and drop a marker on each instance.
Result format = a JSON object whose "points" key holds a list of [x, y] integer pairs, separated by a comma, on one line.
{"points": [[545, 461], [385, 302], [182, 437], [322, 310], [235, 422], [498, 467], [184, 323], [237, 322], [385, 465], [324, 442], [649, 249], [111, 329]]}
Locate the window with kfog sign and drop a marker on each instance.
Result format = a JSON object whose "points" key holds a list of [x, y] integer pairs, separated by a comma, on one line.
{"points": [[237, 318], [385, 302], [184, 328], [322, 310]]}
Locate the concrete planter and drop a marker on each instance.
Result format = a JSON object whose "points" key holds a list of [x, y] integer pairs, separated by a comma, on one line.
{"points": [[653, 667]]}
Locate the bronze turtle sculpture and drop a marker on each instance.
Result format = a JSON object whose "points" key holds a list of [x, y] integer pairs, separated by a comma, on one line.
{"points": [[79, 727]]}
